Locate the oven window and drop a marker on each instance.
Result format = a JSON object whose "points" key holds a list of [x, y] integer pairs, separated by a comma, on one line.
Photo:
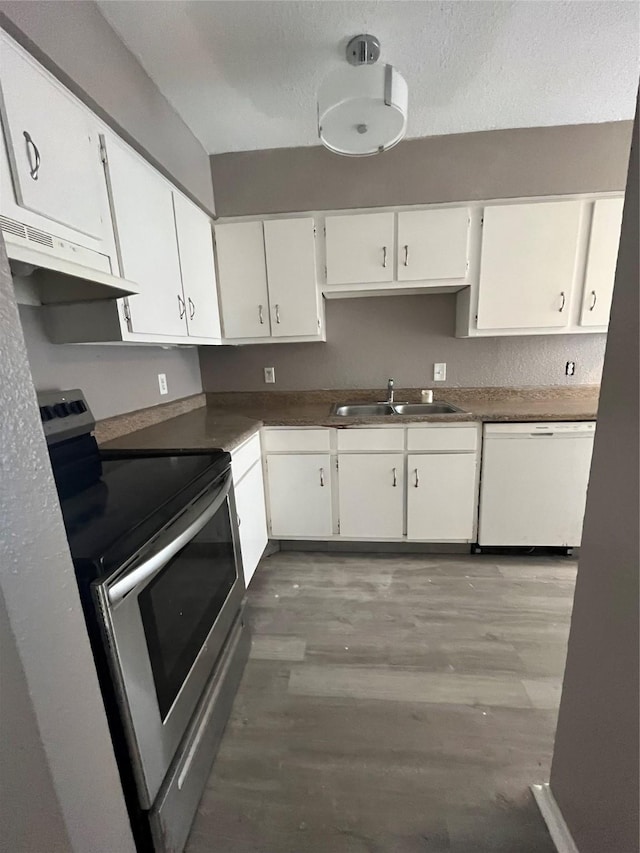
{"points": [[180, 605]]}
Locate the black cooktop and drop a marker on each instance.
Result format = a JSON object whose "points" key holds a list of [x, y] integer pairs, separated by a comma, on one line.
{"points": [[110, 519]]}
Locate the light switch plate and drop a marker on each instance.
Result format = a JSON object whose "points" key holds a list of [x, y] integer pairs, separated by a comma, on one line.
{"points": [[439, 371], [162, 383], [270, 375]]}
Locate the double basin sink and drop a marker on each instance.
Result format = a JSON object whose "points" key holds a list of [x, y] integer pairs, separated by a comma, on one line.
{"points": [[366, 410]]}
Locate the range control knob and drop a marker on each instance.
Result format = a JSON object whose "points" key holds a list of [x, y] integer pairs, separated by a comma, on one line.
{"points": [[61, 410], [78, 407], [47, 413]]}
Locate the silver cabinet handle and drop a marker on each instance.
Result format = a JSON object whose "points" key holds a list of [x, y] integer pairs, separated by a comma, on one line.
{"points": [[417, 482], [395, 478], [278, 314], [384, 256], [34, 165], [181, 306], [322, 476], [261, 315], [406, 256], [594, 299], [192, 309], [564, 301]]}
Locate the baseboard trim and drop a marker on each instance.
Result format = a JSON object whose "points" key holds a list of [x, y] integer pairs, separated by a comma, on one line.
{"points": [[552, 816]]}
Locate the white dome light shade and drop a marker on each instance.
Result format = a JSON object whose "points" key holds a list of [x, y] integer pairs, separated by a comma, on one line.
{"points": [[362, 110]]}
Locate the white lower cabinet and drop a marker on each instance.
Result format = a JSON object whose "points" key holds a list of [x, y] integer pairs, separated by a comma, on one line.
{"points": [[442, 496], [371, 495], [248, 487], [300, 495]]}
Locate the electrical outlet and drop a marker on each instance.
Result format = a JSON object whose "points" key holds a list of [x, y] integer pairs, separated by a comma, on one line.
{"points": [[270, 375], [570, 368], [439, 371], [162, 383]]}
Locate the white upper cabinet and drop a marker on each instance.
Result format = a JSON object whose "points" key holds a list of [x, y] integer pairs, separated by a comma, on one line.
{"points": [[528, 265], [195, 245], [242, 280], [360, 248], [146, 237], [291, 273], [432, 244], [371, 495], [53, 146], [602, 257]]}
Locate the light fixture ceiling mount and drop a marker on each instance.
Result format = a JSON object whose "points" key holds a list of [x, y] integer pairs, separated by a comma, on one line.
{"points": [[362, 110]]}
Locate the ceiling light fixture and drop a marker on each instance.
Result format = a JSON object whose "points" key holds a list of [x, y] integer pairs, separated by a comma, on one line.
{"points": [[362, 110]]}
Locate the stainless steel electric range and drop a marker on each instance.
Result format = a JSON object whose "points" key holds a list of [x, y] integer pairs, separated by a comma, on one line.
{"points": [[154, 542]]}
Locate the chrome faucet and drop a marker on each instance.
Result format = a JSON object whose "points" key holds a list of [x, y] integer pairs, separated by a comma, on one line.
{"points": [[390, 392]]}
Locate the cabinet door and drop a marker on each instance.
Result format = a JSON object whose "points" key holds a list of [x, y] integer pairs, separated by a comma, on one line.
{"points": [[290, 249], [527, 265], [252, 519], [242, 279], [195, 244], [441, 496], [371, 495], [300, 495], [53, 146], [145, 228], [602, 258], [360, 248], [432, 244]]}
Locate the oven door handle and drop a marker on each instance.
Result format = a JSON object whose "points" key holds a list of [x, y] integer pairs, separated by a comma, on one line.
{"points": [[175, 538]]}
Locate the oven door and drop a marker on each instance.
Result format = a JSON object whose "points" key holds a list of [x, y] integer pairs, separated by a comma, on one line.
{"points": [[167, 614]]}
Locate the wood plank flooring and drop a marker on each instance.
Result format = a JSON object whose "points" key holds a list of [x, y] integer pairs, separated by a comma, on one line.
{"points": [[392, 704]]}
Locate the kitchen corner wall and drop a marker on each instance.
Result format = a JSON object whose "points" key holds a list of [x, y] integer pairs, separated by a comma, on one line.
{"points": [[371, 339]]}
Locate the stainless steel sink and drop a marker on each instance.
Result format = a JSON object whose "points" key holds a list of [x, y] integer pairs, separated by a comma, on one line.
{"points": [[354, 410], [425, 409]]}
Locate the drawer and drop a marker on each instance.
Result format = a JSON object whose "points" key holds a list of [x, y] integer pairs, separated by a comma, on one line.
{"points": [[244, 456], [296, 440], [367, 438], [441, 438]]}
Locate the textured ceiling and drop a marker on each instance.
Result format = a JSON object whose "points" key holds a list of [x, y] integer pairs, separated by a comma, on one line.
{"points": [[243, 74]]}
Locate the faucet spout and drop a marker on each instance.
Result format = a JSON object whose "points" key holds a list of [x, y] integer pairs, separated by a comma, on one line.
{"points": [[390, 391]]}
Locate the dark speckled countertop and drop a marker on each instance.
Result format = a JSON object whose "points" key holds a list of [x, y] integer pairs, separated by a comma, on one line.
{"points": [[228, 419]]}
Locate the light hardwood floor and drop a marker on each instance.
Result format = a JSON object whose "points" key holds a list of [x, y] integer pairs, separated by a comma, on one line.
{"points": [[392, 704]]}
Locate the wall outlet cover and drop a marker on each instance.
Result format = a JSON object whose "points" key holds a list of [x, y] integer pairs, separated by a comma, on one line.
{"points": [[570, 368], [270, 375], [162, 383], [439, 371]]}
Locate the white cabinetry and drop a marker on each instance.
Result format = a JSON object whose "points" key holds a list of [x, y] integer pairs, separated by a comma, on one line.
{"points": [[195, 246], [248, 486], [528, 265], [267, 279], [432, 244], [602, 257], [371, 495], [360, 248], [300, 495], [442, 496]]}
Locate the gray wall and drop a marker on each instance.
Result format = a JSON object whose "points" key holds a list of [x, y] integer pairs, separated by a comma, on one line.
{"points": [[114, 378], [460, 167], [370, 339], [594, 774], [53, 717], [78, 45]]}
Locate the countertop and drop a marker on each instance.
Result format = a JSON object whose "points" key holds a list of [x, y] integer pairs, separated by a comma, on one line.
{"points": [[228, 419]]}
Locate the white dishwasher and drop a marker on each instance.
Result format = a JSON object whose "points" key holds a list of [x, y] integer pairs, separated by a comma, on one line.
{"points": [[533, 485]]}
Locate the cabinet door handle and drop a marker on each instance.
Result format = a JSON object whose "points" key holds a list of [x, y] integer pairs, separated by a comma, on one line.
{"points": [[322, 476], [181, 306], [406, 256], [261, 315], [395, 478], [564, 301], [594, 299], [34, 165], [277, 314], [417, 482], [384, 256], [192, 309]]}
